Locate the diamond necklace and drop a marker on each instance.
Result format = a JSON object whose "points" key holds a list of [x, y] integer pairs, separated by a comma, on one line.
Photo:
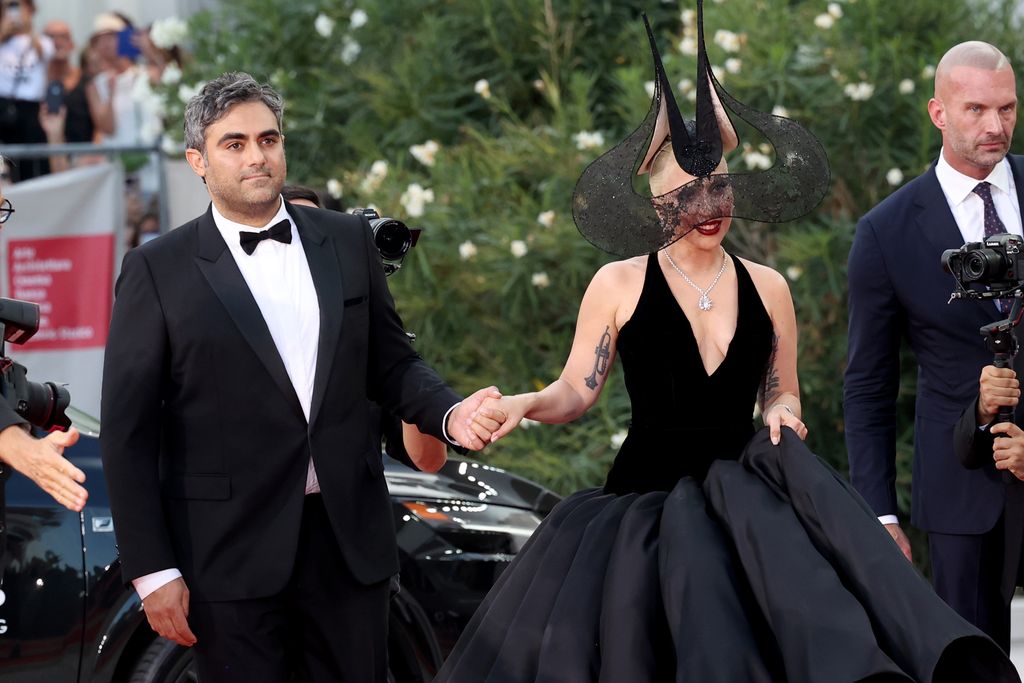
{"points": [[704, 303]]}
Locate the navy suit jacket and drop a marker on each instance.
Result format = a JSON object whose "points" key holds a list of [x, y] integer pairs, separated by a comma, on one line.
{"points": [[899, 290]]}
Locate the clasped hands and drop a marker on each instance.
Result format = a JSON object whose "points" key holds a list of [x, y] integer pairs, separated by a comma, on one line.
{"points": [[484, 417], [999, 387]]}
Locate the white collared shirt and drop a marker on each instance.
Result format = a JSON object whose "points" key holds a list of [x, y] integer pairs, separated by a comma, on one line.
{"points": [[278, 277], [969, 209]]}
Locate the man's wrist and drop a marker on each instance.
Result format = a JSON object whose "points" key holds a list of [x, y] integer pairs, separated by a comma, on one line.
{"points": [[444, 425], [888, 519]]}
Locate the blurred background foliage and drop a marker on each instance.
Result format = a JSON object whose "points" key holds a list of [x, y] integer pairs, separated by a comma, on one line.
{"points": [[517, 96]]}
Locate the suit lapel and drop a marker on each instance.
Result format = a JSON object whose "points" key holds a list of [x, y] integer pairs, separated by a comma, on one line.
{"points": [[936, 221], [326, 273], [222, 273]]}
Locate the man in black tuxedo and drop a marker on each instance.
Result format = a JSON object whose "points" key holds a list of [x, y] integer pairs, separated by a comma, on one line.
{"points": [[977, 447], [898, 290], [251, 510]]}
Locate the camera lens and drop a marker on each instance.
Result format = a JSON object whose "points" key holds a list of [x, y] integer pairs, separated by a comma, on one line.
{"points": [[45, 405], [982, 264], [391, 237]]}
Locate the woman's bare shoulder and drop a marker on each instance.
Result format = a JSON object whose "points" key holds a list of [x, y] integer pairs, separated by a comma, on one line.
{"points": [[770, 284]]}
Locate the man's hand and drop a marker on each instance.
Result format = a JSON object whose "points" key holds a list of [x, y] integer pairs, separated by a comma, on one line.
{"points": [[901, 540], [998, 387], [1008, 452], [167, 611], [43, 461], [461, 426]]}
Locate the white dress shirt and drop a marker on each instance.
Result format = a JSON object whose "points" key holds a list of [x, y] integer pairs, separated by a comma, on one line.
{"points": [[969, 211], [278, 277], [22, 70]]}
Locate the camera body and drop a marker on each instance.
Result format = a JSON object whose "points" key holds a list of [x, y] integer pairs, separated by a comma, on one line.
{"points": [[391, 236], [41, 403], [996, 263]]}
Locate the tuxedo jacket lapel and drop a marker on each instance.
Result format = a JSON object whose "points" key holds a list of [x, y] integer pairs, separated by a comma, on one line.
{"points": [[222, 273], [936, 222], [326, 272]]}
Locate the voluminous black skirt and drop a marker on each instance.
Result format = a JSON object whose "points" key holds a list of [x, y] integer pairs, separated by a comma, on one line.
{"points": [[771, 569]]}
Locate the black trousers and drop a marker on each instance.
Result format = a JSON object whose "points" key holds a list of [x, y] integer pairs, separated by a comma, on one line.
{"points": [[967, 574], [19, 123], [325, 627]]}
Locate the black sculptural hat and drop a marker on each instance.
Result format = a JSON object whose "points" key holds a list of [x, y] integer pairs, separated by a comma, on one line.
{"points": [[614, 217]]}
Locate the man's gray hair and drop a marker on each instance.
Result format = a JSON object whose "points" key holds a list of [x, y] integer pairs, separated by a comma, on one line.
{"points": [[218, 96]]}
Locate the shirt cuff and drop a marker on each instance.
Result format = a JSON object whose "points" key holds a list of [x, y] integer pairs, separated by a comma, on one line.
{"points": [[889, 519], [144, 585], [444, 426]]}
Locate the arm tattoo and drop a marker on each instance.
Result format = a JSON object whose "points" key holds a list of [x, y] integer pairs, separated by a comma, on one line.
{"points": [[602, 353], [770, 388]]}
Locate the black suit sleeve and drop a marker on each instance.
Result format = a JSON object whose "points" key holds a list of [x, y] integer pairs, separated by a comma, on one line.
{"points": [[397, 378], [9, 417], [872, 373], [972, 446], [133, 375]]}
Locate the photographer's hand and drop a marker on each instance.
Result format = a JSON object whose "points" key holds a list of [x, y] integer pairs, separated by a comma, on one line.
{"points": [[998, 387], [43, 461], [1009, 452]]}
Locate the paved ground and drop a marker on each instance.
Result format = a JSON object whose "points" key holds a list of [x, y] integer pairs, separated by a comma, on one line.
{"points": [[1017, 633]]}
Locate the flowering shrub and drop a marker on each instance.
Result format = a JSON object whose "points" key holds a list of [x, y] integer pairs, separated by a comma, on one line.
{"points": [[475, 119]]}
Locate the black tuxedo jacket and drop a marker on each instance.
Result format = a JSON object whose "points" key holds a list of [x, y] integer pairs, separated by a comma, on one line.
{"points": [[205, 445], [973, 448], [899, 290]]}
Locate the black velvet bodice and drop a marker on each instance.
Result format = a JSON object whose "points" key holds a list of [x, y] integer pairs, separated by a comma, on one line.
{"points": [[684, 418]]}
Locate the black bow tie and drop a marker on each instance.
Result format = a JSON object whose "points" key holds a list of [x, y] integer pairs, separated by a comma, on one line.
{"points": [[282, 232]]}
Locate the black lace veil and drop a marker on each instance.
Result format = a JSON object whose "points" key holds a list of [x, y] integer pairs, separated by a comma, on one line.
{"points": [[614, 217]]}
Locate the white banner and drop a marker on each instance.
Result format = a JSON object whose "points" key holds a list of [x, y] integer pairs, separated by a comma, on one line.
{"points": [[60, 249]]}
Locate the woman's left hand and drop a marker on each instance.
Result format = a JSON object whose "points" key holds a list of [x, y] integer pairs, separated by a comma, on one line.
{"points": [[781, 415]]}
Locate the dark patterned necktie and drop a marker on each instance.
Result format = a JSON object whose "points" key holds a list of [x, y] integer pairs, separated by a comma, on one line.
{"points": [[282, 232], [993, 226]]}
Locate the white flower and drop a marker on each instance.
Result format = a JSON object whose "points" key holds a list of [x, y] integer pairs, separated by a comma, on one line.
{"points": [[415, 198], [835, 9], [540, 280], [688, 46], [894, 177], [518, 248], [171, 147], [686, 85], [358, 18], [794, 273], [779, 110], [718, 71], [324, 25], [586, 139], [906, 86], [546, 218], [649, 87], [824, 21], [334, 188], [467, 250], [859, 91], [689, 18], [539, 86], [728, 41], [186, 92], [166, 33], [372, 181], [733, 65], [483, 88], [350, 49], [618, 438], [171, 74], [928, 71], [425, 153], [757, 160]]}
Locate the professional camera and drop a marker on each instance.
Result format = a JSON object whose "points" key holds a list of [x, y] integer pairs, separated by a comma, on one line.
{"points": [[40, 403], [392, 238], [997, 263]]}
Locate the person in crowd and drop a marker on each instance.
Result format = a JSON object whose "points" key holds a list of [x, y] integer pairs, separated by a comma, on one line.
{"points": [[898, 290], [245, 482], [712, 553], [117, 117], [24, 58], [402, 441]]}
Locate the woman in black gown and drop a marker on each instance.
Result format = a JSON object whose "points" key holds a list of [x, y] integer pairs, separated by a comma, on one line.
{"points": [[712, 553]]}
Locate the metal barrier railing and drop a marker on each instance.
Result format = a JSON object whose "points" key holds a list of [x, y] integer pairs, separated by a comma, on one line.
{"points": [[73, 149]]}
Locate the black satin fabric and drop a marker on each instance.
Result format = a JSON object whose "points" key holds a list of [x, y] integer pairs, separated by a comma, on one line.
{"points": [[712, 555]]}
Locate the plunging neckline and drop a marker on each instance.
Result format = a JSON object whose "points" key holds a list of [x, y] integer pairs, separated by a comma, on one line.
{"points": [[689, 325]]}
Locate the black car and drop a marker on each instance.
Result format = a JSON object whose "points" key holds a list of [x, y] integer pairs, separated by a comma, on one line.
{"points": [[66, 616]]}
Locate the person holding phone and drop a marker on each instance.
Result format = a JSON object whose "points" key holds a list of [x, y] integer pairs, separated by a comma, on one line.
{"points": [[24, 58]]}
